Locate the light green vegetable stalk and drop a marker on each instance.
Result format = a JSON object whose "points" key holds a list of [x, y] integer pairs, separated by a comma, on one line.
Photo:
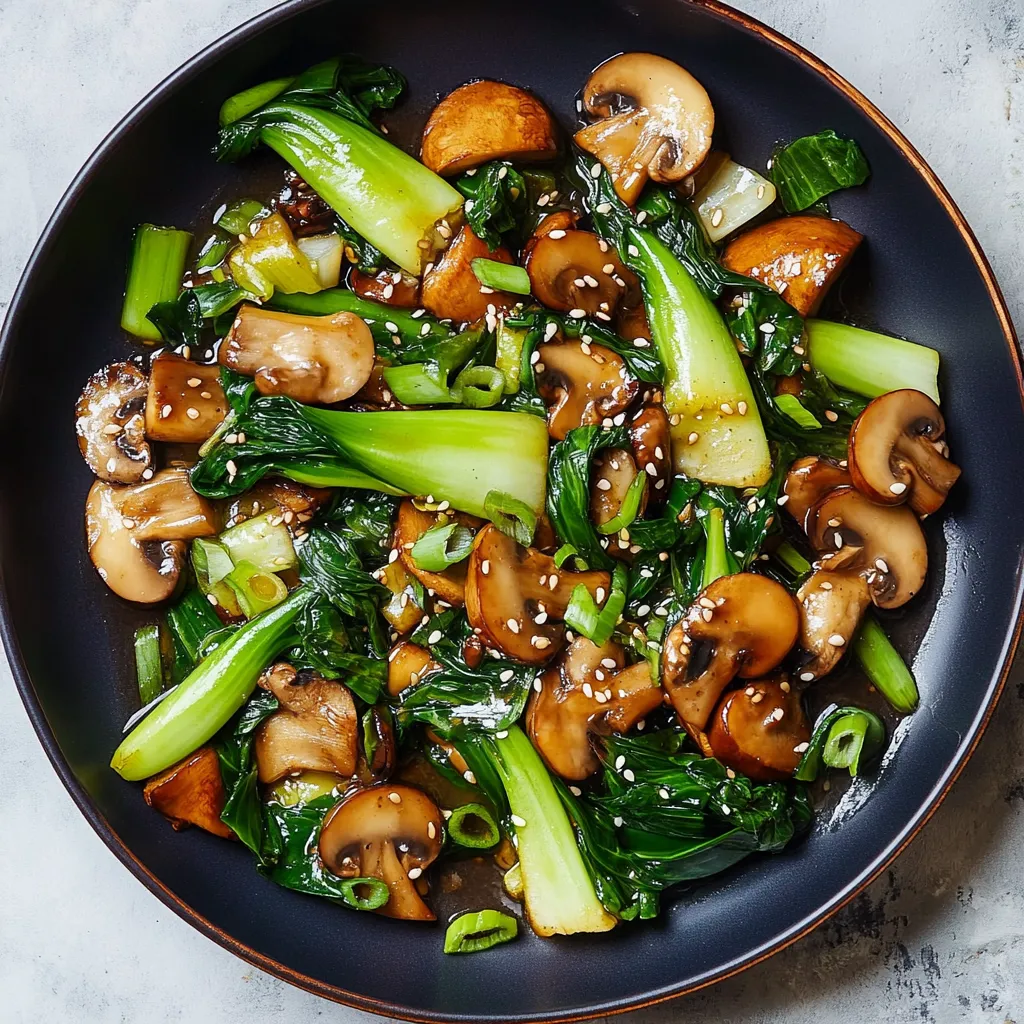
{"points": [[154, 275]]}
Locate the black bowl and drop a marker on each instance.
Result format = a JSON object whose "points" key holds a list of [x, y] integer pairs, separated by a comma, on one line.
{"points": [[922, 274]]}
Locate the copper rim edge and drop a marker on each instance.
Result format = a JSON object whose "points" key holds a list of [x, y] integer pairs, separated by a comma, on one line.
{"points": [[244, 952]]}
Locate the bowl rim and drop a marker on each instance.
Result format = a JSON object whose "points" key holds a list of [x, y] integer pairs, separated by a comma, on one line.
{"points": [[214, 52]]}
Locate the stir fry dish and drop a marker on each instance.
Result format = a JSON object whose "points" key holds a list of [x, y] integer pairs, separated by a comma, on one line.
{"points": [[508, 513]]}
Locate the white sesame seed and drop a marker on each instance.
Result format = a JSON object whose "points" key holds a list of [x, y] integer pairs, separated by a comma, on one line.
{"points": [[693, 438], [517, 821], [837, 640], [395, 798], [577, 314], [513, 625], [595, 171], [831, 416], [556, 234], [880, 565], [434, 637], [628, 775], [781, 500], [898, 487], [576, 791], [537, 684], [588, 690], [651, 469], [469, 777]]}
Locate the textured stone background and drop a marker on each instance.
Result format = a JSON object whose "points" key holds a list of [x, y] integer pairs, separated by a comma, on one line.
{"points": [[939, 939]]}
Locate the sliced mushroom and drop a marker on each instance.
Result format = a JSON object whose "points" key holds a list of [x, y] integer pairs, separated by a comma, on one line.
{"points": [[898, 452], [761, 730], [403, 610], [516, 596], [313, 359], [380, 745], [410, 524], [390, 832], [883, 542], [191, 793], [306, 212], [576, 270], [809, 479], [611, 476], [451, 290], [745, 623], [831, 606], [296, 502], [375, 395], [583, 384], [485, 121], [392, 287], [167, 508], [588, 692], [142, 572], [408, 663], [185, 403], [656, 121], [110, 426], [650, 433], [799, 257], [316, 728]]}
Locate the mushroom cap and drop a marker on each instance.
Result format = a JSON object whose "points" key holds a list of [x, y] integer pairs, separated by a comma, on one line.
{"points": [[583, 384], [186, 402], [385, 831], [898, 452], [167, 508], [884, 542], [278, 494], [612, 473], [509, 587], [748, 623], [756, 730], [410, 524], [137, 571], [831, 606], [402, 611], [110, 425], [650, 434], [484, 121], [577, 270], [809, 479], [392, 287], [313, 359], [408, 663], [316, 728], [191, 793], [450, 289], [656, 121]]}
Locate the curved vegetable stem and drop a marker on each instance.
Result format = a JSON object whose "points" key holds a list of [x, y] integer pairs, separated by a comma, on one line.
{"points": [[716, 557], [884, 667]]}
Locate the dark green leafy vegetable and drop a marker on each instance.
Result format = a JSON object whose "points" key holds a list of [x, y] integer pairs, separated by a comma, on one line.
{"points": [[149, 667], [475, 932], [816, 166], [496, 206], [190, 622], [368, 258], [179, 320], [843, 737]]}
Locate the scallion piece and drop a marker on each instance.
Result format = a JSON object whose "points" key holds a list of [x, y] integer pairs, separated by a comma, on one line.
{"points": [[791, 407], [263, 540], [149, 663], [442, 546], [508, 345], [212, 253], [471, 933], [479, 387], [417, 384], [513, 517], [630, 507], [716, 554], [473, 826], [154, 276], [211, 562], [564, 553], [843, 737], [597, 624], [243, 103], [237, 217], [883, 665], [502, 277], [257, 591]]}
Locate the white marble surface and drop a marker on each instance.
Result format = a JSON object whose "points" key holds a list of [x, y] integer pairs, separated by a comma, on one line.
{"points": [[939, 939]]}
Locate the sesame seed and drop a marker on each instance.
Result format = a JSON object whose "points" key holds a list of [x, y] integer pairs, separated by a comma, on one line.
{"points": [[782, 499], [517, 821], [431, 830], [552, 581], [784, 686], [825, 585], [588, 691], [537, 684], [392, 327], [706, 614], [777, 715], [628, 775], [513, 625], [395, 798], [604, 485], [726, 408], [165, 412], [837, 640], [757, 698], [651, 469], [603, 208], [556, 234], [633, 250], [617, 821], [540, 618], [231, 468], [577, 314], [880, 565], [693, 438], [620, 763], [595, 171], [898, 487], [434, 637], [600, 595], [469, 777], [192, 414]]}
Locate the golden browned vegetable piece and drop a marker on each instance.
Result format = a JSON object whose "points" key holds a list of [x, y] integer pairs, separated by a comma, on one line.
{"points": [[392, 287], [185, 402], [167, 508], [451, 290], [191, 793], [650, 433], [109, 424], [485, 121], [410, 524], [408, 663], [800, 257], [809, 479]]}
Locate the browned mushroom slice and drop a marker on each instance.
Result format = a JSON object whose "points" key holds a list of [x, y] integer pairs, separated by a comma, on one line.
{"points": [[656, 121], [402, 611], [408, 663], [831, 606], [612, 474], [588, 692], [191, 793], [799, 257], [761, 730], [315, 729], [516, 596], [747, 625], [185, 403], [389, 832], [302, 207], [167, 508], [392, 287], [485, 121], [809, 479], [296, 502], [375, 395], [137, 571], [883, 542], [110, 425], [576, 270], [649, 432], [583, 384], [315, 359], [898, 452], [410, 524], [450, 288]]}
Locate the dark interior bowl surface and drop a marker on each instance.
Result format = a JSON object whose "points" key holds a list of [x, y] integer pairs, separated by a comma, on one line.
{"points": [[921, 275]]}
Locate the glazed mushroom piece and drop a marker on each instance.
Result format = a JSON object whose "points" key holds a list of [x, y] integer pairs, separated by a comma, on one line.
{"points": [[316, 728], [110, 425], [809, 479], [745, 623], [588, 693], [167, 508], [577, 271], [485, 121], [390, 832], [313, 359], [191, 793], [451, 290], [392, 287], [408, 663], [656, 122], [612, 474], [831, 607], [760, 730], [410, 524], [583, 383], [185, 403], [650, 434], [898, 452], [516, 596]]}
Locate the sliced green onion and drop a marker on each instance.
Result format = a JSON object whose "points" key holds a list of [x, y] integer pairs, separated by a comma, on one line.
{"points": [[211, 562], [479, 387], [502, 277], [630, 507], [149, 663], [473, 826], [325, 253], [363, 893], [597, 624], [508, 346], [792, 559], [471, 933], [843, 737], [154, 276], [256, 590], [564, 553], [269, 261], [716, 555], [442, 546], [883, 665], [417, 384], [219, 297], [237, 217], [243, 103], [791, 407], [263, 540], [212, 253], [510, 515]]}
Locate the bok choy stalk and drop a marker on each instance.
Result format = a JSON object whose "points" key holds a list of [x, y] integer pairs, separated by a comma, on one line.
{"points": [[154, 276]]}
